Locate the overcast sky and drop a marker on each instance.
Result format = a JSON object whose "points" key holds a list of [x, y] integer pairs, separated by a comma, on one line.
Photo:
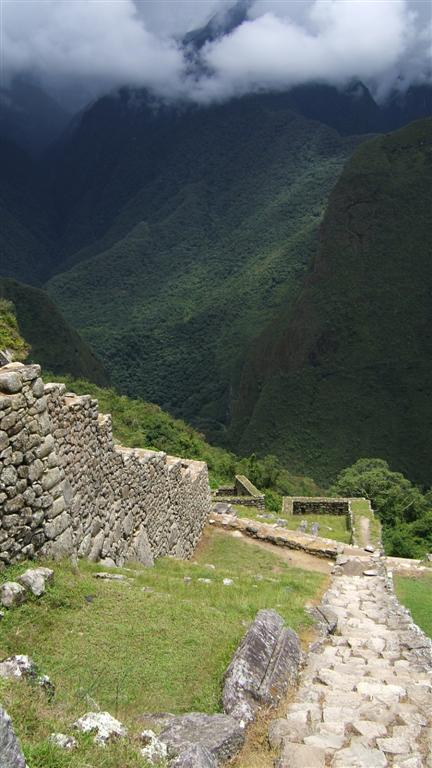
{"points": [[96, 45]]}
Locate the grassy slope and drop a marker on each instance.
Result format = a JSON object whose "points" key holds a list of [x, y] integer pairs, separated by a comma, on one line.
{"points": [[216, 234], [134, 651], [348, 372], [53, 343], [416, 594]]}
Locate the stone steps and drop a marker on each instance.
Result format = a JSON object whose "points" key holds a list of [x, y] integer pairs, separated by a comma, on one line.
{"points": [[365, 695]]}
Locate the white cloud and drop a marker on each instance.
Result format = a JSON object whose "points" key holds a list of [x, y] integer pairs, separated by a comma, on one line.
{"points": [[104, 40], [109, 43], [342, 40]]}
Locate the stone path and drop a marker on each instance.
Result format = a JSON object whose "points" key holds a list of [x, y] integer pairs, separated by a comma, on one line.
{"points": [[365, 695], [364, 531]]}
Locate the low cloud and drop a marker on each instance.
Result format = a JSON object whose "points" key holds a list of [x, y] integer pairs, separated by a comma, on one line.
{"points": [[101, 44]]}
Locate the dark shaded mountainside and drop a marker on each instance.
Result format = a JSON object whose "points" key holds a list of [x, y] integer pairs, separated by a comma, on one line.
{"points": [[171, 238], [347, 371], [201, 226], [53, 343]]}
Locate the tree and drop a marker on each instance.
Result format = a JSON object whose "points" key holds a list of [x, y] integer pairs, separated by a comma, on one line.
{"points": [[404, 511]]}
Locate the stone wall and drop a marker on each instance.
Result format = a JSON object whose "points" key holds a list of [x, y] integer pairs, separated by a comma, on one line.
{"points": [[316, 505], [243, 492], [66, 488]]}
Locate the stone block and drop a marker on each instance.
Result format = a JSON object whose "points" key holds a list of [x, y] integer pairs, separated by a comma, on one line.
{"points": [[10, 382]]}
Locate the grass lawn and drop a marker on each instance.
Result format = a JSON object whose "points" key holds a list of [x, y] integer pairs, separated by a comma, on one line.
{"points": [[330, 526], [156, 643], [416, 594]]}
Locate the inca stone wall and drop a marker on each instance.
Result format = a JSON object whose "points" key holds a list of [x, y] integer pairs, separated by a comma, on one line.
{"points": [[305, 505], [65, 488]]}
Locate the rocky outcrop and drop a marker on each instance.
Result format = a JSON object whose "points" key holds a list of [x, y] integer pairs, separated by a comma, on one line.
{"points": [[220, 735], [194, 757], [66, 488], [265, 664], [11, 755]]}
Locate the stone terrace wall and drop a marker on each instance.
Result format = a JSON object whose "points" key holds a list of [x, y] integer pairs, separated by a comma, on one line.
{"points": [[65, 488], [304, 505]]}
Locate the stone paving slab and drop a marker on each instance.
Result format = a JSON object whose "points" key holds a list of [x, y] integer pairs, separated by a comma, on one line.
{"points": [[365, 694]]}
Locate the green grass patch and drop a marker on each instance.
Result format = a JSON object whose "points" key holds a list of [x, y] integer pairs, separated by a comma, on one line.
{"points": [[361, 508], [416, 594], [132, 650], [330, 526]]}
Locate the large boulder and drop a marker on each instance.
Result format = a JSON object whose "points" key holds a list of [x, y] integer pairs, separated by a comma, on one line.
{"points": [[10, 750], [220, 735], [265, 664], [195, 756]]}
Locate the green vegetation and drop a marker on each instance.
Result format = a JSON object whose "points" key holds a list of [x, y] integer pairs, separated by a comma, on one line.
{"points": [[10, 337], [132, 650], [180, 247], [330, 526], [416, 594], [404, 511], [145, 425], [347, 372], [53, 343], [361, 508]]}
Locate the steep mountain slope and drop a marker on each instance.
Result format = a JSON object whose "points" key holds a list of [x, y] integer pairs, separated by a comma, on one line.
{"points": [[216, 234], [348, 371], [53, 343], [26, 235], [29, 116]]}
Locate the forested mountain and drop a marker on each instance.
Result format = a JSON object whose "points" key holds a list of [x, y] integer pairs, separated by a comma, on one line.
{"points": [[197, 227], [29, 116], [347, 370], [176, 239], [50, 341]]}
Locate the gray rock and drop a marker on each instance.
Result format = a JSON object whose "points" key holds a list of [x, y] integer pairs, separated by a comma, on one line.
{"points": [[265, 664], [62, 741], [10, 750], [195, 756], [12, 594], [154, 750], [301, 756], [369, 548], [103, 725], [222, 508], [10, 382], [16, 667], [370, 572], [140, 550], [35, 579], [325, 617], [221, 735]]}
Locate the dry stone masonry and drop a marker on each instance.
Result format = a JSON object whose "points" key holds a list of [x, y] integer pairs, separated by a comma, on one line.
{"points": [[365, 695], [67, 489]]}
